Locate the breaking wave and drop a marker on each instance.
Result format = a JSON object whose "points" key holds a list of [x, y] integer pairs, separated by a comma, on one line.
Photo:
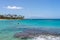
{"points": [[45, 37]]}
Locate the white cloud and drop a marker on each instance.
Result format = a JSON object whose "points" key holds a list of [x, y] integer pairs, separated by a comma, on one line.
{"points": [[14, 7]]}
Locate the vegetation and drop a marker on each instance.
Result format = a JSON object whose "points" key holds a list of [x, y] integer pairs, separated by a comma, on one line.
{"points": [[11, 16]]}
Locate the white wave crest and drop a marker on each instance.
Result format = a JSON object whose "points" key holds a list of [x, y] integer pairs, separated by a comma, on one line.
{"points": [[45, 37]]}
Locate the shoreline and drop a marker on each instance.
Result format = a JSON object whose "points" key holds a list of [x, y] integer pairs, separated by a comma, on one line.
{"points": [[31, 33], [11, 19]]}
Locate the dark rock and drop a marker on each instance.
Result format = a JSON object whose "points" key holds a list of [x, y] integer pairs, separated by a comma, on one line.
{"points": [[23, 35], [31, 33]]}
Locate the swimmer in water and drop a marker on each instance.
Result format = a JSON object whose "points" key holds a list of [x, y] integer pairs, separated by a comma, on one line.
{"points": [[18, 23]]}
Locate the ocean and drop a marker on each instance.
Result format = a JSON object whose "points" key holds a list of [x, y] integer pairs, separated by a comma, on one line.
{"points": [[8, 29]]}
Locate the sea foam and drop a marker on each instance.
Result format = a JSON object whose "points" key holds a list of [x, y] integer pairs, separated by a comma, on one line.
{"points": [[47, 37]]}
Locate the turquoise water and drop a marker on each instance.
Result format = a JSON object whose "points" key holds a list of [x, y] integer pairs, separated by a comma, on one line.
{"points": [[9, 27], [47, 23]]}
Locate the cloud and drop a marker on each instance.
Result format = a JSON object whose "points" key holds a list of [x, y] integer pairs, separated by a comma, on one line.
{"points": [[14, 7]]}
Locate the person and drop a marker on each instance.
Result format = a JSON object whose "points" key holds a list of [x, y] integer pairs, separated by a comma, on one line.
{"points": [[18, 23]]}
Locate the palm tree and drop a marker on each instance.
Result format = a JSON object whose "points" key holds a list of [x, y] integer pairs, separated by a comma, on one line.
{"points": [[15, 15]]}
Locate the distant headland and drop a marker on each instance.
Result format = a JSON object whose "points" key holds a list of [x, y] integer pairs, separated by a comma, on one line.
{"points": [[9, 16]]}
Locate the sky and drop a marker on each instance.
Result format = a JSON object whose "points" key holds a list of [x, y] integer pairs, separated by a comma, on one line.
{"points": [[31, 8]]}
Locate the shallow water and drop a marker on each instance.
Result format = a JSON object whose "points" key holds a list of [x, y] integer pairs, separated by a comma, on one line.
{"points": [[9, 27]]}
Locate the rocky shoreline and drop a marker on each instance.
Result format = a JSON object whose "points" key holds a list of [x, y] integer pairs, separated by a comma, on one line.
{"points": [[32, 33]]}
